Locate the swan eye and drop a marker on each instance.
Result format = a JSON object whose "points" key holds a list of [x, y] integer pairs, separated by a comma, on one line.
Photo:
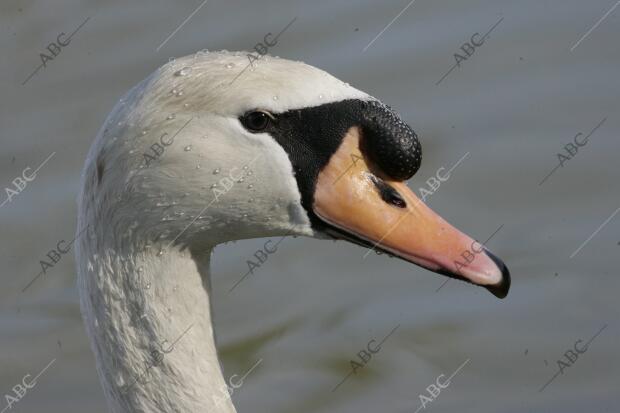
{"points": [[257, 121]]}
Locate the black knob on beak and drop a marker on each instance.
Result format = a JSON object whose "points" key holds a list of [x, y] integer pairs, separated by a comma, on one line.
{"points": [[389, 142]]}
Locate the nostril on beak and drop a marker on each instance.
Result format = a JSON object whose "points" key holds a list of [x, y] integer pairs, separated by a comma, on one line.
{"points": [[388, 194]]}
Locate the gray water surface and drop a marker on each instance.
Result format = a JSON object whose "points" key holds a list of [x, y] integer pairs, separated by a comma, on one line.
{"points": [[511, 107]]}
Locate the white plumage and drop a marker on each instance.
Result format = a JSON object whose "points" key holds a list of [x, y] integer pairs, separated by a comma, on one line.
{"points": [[143, 265]]}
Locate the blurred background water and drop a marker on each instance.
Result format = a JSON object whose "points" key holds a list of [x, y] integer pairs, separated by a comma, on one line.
{"points": [[512, 106]]}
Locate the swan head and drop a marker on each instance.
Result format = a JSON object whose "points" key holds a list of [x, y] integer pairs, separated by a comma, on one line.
{"points": [[210, 148]]}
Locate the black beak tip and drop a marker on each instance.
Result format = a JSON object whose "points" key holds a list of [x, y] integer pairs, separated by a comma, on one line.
{"points": [[501, 289]]}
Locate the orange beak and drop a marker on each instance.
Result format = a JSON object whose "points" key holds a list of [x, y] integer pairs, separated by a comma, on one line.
{"points": [[355, 197]]}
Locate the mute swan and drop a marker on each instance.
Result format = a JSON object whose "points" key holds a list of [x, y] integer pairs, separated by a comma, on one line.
{"points": [[196, 155]]}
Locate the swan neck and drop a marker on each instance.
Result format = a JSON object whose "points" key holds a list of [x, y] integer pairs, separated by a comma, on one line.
{"points": [[149, 319]]}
